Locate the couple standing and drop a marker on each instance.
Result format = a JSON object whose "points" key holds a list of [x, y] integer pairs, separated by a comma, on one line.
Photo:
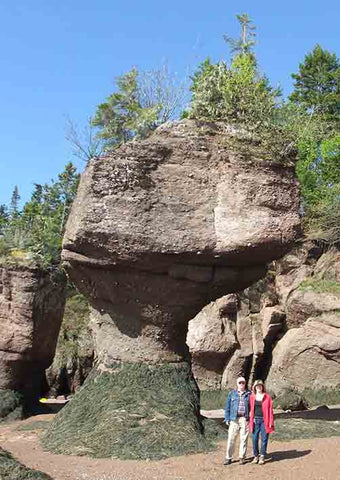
{"points": [[246, 411]]}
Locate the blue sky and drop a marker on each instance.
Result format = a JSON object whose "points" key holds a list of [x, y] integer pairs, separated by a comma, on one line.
{"points": [[59, 59]]}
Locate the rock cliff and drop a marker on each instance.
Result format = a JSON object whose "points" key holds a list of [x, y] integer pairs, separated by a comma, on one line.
{"points": [[285, 326], [308, 355], [31, 309], [162, 227]]}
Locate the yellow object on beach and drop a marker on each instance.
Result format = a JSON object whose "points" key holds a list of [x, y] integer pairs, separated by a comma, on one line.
{"points": [[43, 400]]}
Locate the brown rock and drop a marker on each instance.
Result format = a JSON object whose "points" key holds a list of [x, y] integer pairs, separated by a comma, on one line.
{"points": [[212, 340], [237, 364], [305, 304], [328, 266], [31, 309], [257, 335], [307, 357], [273, 319], [162, 227]]}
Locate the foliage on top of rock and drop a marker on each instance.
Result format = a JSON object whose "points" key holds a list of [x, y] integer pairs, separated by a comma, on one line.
{"points": [[142, 102], [236, 95]]}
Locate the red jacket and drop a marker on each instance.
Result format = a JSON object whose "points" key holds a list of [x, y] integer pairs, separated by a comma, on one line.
{"points": [[268, 413]]}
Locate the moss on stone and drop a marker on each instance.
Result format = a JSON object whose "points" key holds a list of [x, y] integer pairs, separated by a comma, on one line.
{"points": [[320, 286]]}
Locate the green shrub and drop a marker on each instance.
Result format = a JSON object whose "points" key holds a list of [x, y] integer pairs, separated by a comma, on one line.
{"points": [[236, 95], [240, 97]]}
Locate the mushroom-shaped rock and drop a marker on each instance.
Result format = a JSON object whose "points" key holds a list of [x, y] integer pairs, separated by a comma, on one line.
{"points": [[160, 228]]}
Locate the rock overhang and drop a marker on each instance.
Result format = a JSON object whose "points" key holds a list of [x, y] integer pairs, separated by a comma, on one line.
{"points": [[182, 199]]}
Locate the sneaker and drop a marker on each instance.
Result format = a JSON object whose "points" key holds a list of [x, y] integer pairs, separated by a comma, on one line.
{"points": [[255, 459], [241, 461], [227, 461], [261, 460]]}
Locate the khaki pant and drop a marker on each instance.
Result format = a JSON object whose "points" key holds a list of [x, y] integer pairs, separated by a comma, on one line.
{"points": [[235, 426]]}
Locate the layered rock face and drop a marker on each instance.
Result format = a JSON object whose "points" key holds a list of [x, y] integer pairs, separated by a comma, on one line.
{"points": [[285, 326], [162, 227], [31, 309], [308, 355]]}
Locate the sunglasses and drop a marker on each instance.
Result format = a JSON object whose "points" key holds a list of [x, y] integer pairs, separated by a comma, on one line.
{"points": [[239, 383]]}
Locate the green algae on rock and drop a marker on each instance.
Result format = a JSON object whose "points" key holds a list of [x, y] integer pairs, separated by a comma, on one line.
{"points": [[131, 410]]}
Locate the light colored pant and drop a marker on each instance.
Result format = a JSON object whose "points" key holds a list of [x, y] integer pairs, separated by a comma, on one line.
{"points": [[240, 425]]}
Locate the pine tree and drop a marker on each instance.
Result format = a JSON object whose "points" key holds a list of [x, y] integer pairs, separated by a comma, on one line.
{"points": [[317, 84], [238, 94], [126, 115], [4, 217], [246, 41], [14, 206], [142, 102]]}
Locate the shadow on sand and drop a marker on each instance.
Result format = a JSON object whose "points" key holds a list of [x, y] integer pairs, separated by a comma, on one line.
{"points": [[320, 413], [286, 455]]}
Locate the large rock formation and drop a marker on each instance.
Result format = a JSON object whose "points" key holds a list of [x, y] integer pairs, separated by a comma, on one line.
{"points": [[31, 309], [235, 334], [160, 228], [308, 355], [285, 326]]}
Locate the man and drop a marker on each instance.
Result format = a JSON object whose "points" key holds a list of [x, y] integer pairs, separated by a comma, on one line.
{"points": [[236, 415]]}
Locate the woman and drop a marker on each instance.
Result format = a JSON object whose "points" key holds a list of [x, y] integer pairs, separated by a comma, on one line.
{"points": [[261, 421]]}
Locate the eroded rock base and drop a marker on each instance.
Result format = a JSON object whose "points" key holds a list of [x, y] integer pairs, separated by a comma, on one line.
{"points": [[131, 410]]}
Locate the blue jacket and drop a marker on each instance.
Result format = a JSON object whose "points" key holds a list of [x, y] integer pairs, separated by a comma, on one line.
{"points": [[231, 405]]}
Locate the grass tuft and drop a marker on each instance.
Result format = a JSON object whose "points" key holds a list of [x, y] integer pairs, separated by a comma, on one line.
{"points": [[135, 411]]}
